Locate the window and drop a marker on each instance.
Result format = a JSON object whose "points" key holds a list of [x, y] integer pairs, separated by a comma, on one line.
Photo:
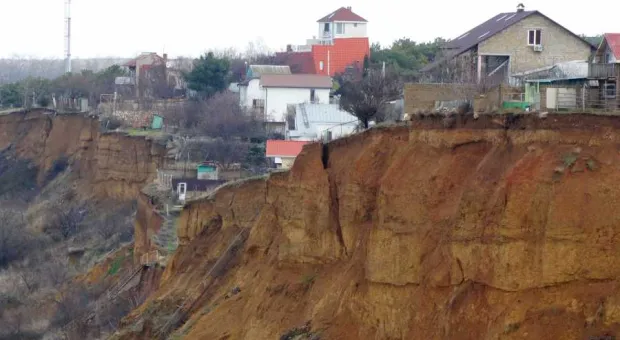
{"points": [[326, 28], [258, 103], [321, 65], [355, 24], [534, 37], [312, 96], [607, 58], [610, 91], [339, 28]]}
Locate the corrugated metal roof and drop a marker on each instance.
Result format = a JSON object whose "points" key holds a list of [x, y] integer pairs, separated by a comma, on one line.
{"points": [[575, 69], [284, 148], [342, 14], [296, 81], [256, 71], [325, 113], [318, 114]]}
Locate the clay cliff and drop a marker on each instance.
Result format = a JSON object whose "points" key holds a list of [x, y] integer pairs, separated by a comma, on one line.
{"points": [[107, 164], [495, 228]]}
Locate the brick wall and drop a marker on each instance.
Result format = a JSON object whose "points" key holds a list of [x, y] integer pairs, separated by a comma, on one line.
{"points": [[422, 97], [559, 45]]}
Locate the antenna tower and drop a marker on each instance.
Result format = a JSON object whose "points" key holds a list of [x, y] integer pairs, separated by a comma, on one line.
{"points": [[67, 36]]}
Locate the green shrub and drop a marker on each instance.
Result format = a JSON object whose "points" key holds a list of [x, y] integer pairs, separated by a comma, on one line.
{"points": [[569, 160]]}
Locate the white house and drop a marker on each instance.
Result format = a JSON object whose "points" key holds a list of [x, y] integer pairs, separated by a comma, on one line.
{"points": [[250, 92], [309, 122], [282, 91], [342, 23]]}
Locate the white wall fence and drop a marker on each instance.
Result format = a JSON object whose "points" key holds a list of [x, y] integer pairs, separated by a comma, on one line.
{"points": [[164, 180]]}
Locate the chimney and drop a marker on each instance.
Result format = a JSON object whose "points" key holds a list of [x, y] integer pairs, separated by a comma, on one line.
{"points": [[289, 48], [165, 56], [520, 8], [349, 8]]}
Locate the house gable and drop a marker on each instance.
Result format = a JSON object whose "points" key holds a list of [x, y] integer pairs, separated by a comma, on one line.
{"points": [[609, 49], [559, 44]]}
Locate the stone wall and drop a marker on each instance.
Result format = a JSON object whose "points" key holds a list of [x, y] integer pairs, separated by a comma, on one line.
{"points": [[559, 45]]}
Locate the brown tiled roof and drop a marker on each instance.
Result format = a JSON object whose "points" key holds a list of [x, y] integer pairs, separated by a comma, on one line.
{"points": [[342, 14], [296, 81]]}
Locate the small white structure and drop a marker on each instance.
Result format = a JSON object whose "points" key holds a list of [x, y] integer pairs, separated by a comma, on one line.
{"points": [[310, 122], [182, 191]]}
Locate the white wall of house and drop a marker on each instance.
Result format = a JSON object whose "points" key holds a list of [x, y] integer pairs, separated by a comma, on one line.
{"points": [[609, 56], [250, 92], [277, 99], [351, 29], [318, 132]]}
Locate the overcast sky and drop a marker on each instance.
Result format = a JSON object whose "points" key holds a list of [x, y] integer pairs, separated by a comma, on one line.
{"points": [[123, 28]]}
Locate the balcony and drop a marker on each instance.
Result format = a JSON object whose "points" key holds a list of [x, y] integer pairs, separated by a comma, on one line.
{"points": [[603, 71]]}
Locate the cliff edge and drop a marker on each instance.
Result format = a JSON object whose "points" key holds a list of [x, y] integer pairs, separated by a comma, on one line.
{"points": [[496, 228], [108, 164]]}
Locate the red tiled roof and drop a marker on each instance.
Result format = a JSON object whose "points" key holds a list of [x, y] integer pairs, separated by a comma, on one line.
{"points": [[342, 14], [613, 41], [296, 81], [342, 53], [299, 62], [284, 148]]}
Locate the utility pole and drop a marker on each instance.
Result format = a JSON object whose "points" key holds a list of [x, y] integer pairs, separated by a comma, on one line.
{"points": [[67, 36]]}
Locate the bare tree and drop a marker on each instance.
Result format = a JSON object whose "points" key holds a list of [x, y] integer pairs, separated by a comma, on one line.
{"points": [[366, 97], [65, 220], [153, 83], [221, 116]]}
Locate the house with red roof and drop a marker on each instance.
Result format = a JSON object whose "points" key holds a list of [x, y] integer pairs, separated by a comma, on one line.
{"points": [[606, 68], [609, 49], [283, 152], [342, 42], [140, 66]]}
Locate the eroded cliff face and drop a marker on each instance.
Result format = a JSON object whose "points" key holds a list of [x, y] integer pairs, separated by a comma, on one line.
{"points": [[108, 164], [496, 229]]}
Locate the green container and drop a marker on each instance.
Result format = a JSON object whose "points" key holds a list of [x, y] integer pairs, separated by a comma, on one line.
{"points": [[206, 169], [515, 105], [158, 122]]}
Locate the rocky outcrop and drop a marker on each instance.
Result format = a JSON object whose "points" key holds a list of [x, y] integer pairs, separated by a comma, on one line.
{"points": [[496, 229], [108, 164]]}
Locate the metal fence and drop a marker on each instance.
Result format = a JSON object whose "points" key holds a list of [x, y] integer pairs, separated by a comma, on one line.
{"points": [[601, 100]]}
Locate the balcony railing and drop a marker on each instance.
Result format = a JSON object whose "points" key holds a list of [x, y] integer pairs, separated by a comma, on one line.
{"points": [[603, 71]]}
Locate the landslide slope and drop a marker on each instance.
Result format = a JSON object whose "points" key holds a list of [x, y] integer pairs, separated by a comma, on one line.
{"points": [[108, 164], [495, 229]]}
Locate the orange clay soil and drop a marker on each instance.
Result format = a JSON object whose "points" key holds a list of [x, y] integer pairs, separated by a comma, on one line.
{"points": [[497, 229]]}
